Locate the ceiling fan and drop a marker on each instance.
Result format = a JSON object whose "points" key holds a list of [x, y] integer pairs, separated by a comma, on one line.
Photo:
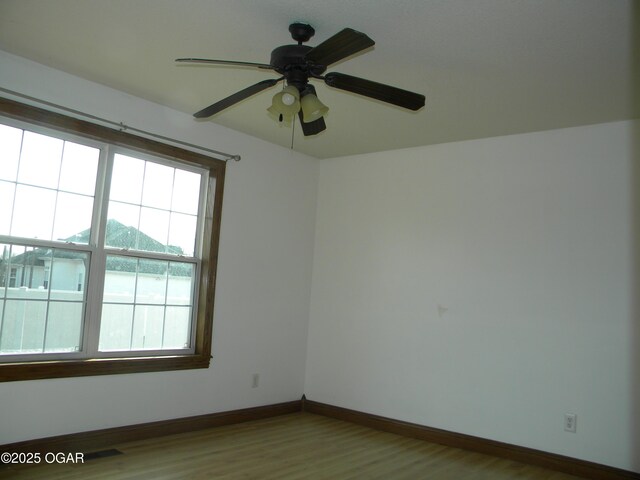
{"points": [[297, 64]]}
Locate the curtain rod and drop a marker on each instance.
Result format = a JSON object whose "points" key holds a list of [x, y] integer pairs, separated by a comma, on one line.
{"points": [[122, 126]]}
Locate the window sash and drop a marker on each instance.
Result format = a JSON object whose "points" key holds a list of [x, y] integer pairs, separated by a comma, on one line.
{"points": [[195, 262], [49, 298], [90, 361]]}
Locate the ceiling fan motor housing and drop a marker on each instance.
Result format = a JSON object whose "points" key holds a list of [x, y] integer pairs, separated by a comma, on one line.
{"points": [[290, 61], [288, 56]]}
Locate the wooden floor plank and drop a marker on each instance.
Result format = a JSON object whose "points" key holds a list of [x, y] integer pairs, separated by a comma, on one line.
{"points": [[299, 446]]}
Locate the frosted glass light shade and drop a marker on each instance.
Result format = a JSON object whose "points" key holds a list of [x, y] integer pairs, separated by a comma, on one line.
{"points": [[312, 108], [286, 102]]}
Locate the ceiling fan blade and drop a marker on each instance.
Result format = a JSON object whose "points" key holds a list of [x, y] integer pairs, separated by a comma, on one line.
{"points": [[224, 62], [235, 98], [312, 128], [378, 91], [341, 45]]}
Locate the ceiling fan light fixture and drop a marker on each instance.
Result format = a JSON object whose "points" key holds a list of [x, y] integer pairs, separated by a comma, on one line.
{"points": [[285, 102], [312, 108]]}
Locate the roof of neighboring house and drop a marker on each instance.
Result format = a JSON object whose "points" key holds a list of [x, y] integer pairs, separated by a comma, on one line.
{"points": [[117, 235], [122, 236]]}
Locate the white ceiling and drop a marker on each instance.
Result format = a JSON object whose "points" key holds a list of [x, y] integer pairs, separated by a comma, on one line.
{"points": [[486, 67]]}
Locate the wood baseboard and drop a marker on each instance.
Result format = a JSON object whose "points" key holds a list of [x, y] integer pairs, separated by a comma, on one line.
{"points": [[97, 439], [529, 456]]}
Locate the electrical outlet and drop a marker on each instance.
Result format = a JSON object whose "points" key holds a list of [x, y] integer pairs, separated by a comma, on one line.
{"points": [[256, 380], [570, 422]]}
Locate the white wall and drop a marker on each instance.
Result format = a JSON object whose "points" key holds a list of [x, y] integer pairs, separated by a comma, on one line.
{"points": [[485, 287], [264, 275]]}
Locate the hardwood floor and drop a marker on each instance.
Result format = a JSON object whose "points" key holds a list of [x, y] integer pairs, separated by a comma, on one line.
{"points": [[289, 447]]}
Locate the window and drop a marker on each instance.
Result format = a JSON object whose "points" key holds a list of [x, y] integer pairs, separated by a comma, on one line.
{"points": [[108, 248]]}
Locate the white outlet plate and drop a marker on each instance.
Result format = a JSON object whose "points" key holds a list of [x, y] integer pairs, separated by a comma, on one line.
{"points": [[255, 380], [570, 420]]}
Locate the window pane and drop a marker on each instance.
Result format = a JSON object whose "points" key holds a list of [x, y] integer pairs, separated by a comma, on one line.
{"points": [[23, 326], [151, 286], [176, 327], [67, 275], [40, 160], [154, 230], [26, 269], [180, 284], [33, 212], [120, 279], [126, 179], [147, 327], [182, 234], [7, 191], [122, 225], [64, 327], [73, 218], [158, 185], [186, 192], [10, 142], [79, 168], [115, 327]]}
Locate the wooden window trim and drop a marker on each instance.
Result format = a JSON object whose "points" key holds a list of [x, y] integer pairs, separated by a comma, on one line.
{"points": [[34, 370]]}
